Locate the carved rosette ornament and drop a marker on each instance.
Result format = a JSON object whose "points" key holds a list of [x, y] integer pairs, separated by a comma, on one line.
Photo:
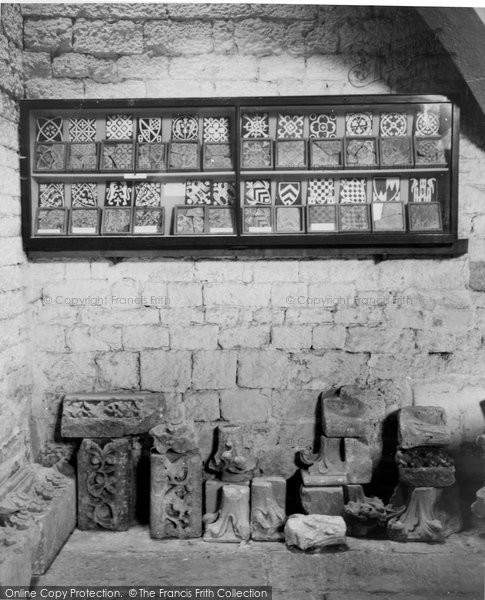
{"points": [[233, 459]]}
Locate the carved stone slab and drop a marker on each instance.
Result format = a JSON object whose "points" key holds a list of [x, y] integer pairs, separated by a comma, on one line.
{"points": [[268, 499], [231, 522], [314, 532], [106, 484], [322, 500], [16, 548], [344, 414], [109, 415], [423, 426]]}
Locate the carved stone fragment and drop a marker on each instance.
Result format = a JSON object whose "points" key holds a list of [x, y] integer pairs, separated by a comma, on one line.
{"points": [[425, 467], [314, 532], [109, 415], [367, 515], [344, 415], [322, 500], [233, 459], [231, 522], [358, 461], [268, 498], [422, 426], [176, 483], [478, 507], [106, 484], [213, 492]]}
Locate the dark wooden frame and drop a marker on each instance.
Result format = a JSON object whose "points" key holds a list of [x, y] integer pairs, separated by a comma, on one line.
{"points": [[406, 244]]}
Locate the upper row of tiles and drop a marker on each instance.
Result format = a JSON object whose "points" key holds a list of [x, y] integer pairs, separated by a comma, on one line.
{"points": [[426, 122]]}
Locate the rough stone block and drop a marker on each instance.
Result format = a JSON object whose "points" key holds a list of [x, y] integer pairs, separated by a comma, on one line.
{"points": [[194, 337], [329, 336], [142, 67], [172, 38], [48, 35], [260, 37], [314, 532], [214, 369], [322, 500], [292, 337], [50, 88], [425, 467], [358, 461], [16, 551], [422, 426], [478, 507], [100, 38], [245, 405], [263, 369], [202, 405], [165, 370], [345, 415], [242, 337], [231, 521], [268, 501], [109, 414], [12, 23]]}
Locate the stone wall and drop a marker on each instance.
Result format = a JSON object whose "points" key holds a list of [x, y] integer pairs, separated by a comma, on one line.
{"points": [[252, 341], [14, 356]]}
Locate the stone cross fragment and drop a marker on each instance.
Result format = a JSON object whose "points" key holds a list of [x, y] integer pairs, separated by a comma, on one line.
{"points": [[314, 532], [422, 426], [231, 522], [268, 515]]}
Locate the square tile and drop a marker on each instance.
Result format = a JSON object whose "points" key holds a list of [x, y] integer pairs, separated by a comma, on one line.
{"points": [[354, 217], [82, 130], [289, 126], [149, 130], [429, 152], [393, 124], [423, 189], [257, 219], [289, 219], [84, 195], [326, 154], [148, 193], [184, 156], [361, 153], [288, 193], [116, 221], [51, 195], [386, 189], [396, 152], [427, 122], [358, 124], [83, 156], [189, 220], [322, 218], [216, 157], [149, 221], [197, 192], [216, 129], [118, 193], [321, 191], [425, 216], [257, 192], [51, 221], [50, 157], [223, 193], [353, 191], [84, 221], [151, 157], [220, 220], [388, 216], [255, 125], [117, 156], [323, 125], [291, 154], [256, 154], [49, 129], [185, 128], [119, 127]]}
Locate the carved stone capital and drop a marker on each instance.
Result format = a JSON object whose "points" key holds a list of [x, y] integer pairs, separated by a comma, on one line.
{"points": [[233, 459], [231, 522]]}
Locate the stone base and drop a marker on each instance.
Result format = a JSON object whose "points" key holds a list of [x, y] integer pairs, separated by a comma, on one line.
{"points": [[268, 515], [322, 500], [231, 522]]}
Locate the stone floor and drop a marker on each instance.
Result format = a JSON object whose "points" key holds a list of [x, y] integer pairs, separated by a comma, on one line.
{"points": [[369, 569]]}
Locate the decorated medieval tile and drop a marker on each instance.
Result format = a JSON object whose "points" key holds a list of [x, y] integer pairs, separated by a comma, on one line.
{"points": [[429, 152], [353, 191], [424, 189], [197, 191], [119, 127], [148, 220], [151, 157], [221, 220], [84, 221], [288, 193], [190, 220], [257, 192], [323, 125], [118, 193], [185, 127], [354, 217], [393, 124], [257, 154], [321, 191], [107, 414], [106, 484], [217, 156], [388, 216], [51, 195], [289, 219], [184, 156], [289, 126], [427, 122], [396, 152], [149, 129], [83, 156], [386, 189], [116, 220], [223, 193], [51, 221], [322, 217], [325, 153], [148, 193], [84, 195], [291, 154], [255, 125], [216, 129], [361, 153], [82, 129], [359, 123], [49, 129], [425, 216], [117, 156], [257, 219], [50, 157]]}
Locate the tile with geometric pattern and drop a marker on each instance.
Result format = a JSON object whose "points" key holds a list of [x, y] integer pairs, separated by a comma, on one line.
{"points": [[257, 219], [257, 192], [291, 154], [289, 127], [50, 157], [51, 221], [216, 129], [354, 217], [288, 193], [429, 151], [151, 157], [393, 124], [386, 189], [326, 154], [148, 193], [257, 154], [358, 123], [185, 127], [223, 193], [117, 156], [116, 220], [148, 220], [353, 191], [184, 156], [149, 130], [289, 219], [322, 217], [119, 127], [323, 125], [83, 156], [197, 192], [51, 195], [84, 195], [427, 122], [396, 152], [49, 129], [216, 156], [82, 129], [321, 191], [84, 221], [255, 125]]}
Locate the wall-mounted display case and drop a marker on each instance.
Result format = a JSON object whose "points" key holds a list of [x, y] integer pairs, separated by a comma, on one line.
{"points": [[375, 174]]}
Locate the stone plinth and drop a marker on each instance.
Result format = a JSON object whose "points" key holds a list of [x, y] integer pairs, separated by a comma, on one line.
{"points": [[231, 522], [268, 499], [314, 532], [422, 426]]}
